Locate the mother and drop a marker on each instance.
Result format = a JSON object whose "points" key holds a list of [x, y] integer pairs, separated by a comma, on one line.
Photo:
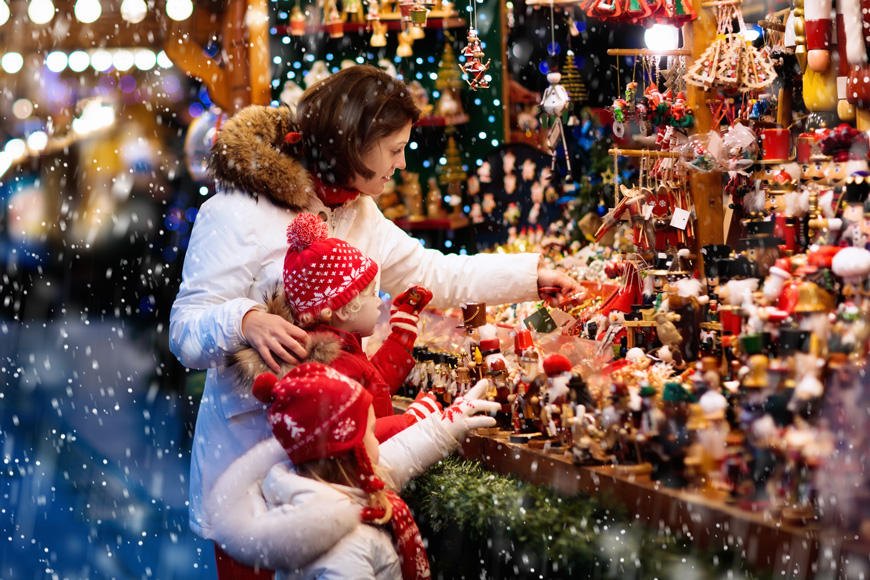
{"points": [[332, 158]]}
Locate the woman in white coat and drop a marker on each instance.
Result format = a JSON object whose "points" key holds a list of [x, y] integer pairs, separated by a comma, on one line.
{"points": [[331, 158]]}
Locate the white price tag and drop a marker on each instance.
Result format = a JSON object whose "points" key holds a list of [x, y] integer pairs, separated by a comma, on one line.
{"points": [[680, 218], [647, 210]]}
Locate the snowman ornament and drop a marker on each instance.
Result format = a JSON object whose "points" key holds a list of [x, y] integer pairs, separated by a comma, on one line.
{"points": [[555, 104]]}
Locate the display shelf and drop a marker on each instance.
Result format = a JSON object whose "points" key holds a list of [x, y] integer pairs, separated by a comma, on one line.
{"points": [[447, 223], [788, 550], [392, 23], [436, 121]]}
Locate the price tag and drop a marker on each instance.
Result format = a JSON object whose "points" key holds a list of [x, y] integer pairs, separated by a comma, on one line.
{"points": [[647, 210], [541, 321], [680, 218], [561, 317]]}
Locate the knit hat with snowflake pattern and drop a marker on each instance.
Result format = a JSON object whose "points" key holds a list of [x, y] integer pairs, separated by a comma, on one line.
{"points": [[316, 411], [319, 271]]}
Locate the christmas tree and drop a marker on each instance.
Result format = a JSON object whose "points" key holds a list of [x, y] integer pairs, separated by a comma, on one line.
{"points": [[571, 80], [449, 73], [452, 171], [448, 83]]}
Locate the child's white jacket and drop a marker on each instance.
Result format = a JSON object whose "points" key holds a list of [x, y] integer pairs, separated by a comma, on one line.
{"points": [[267, 515]]}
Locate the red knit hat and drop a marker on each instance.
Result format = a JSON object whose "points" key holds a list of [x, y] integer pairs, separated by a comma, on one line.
{"points": [[319, 271], [316, 411]]}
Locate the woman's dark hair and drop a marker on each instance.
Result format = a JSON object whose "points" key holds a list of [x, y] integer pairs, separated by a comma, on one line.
{"points": [[343, 116]]}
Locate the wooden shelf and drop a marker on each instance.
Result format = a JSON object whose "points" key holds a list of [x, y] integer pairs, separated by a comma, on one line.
{"points": [[443, 121], [448, 223], [392, 23], [789, 551]]}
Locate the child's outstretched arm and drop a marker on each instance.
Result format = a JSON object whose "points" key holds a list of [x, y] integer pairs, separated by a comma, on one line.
{"points": [[393, 359], [407, 454], [288, 537]]}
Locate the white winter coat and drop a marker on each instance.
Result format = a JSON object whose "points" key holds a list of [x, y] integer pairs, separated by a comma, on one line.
{"points": [[260, 490], [235, 257]]}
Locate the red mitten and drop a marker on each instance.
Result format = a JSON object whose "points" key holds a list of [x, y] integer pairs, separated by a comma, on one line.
{"points": [[424, 405], [413, 300], [405, 313]]}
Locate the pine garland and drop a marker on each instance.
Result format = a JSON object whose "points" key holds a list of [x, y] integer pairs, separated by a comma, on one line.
{"points": [[479, 524]]}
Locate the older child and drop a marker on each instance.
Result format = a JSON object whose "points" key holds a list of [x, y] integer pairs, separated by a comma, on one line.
{"points": [[325, 424], [329, 291]]}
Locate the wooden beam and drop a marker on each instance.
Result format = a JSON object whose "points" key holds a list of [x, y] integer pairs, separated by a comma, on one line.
{"points": [[705, 188]]}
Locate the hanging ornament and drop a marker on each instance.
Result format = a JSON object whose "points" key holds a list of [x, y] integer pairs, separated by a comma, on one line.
{"points": [[405, 41], [556, 104], [474, 68], [379, 34], [373, 12], [334, 24], [297, 22], [418, 15]]}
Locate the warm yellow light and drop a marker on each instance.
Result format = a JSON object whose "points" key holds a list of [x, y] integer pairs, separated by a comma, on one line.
{"points": [[4, 12], [133, 11], [179, 9], [40, 11], [88, 11]]}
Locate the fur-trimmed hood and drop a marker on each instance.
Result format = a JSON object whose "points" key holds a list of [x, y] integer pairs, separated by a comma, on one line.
{"points": [[247, 363], [250, 154]]}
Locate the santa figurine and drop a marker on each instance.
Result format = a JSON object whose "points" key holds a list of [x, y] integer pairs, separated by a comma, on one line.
{"points": [[557, 367]]}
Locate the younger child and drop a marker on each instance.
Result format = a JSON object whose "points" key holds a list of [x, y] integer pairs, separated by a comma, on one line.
{"points": [[329, 291], [324, 424]]}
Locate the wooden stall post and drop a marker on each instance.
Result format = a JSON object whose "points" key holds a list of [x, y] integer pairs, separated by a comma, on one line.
{"points": [[705, 188], [243, 76]]}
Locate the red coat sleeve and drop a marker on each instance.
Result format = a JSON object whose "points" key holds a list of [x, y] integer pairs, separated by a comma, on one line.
{"points": [[393, 363], [386, 427]]}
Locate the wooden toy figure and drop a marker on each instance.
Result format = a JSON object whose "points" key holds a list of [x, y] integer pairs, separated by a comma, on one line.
{"points": [[555, 104], [474, 67], [558, 370], [674, 438]]}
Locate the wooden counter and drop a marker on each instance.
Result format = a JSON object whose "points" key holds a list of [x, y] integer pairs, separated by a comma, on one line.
{"points": [[788, 551]]}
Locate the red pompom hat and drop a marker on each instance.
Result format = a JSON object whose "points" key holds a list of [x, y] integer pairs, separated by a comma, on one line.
{"points": [[556, 364], [319, 271], [316, 411]]}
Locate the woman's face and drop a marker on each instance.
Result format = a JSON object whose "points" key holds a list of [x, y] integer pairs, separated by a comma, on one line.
{"points": [[387, 155]]}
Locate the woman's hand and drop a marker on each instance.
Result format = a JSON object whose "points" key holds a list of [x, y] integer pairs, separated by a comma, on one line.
{"points": [[553, 284], [272, 335]]}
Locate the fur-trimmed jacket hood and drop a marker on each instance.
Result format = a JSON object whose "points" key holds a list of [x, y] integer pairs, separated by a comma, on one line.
{"points": [[246, 364], [250, 154]]}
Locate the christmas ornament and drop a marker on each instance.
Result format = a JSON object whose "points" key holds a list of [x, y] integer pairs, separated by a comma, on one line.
{"points": [[474, 68]]}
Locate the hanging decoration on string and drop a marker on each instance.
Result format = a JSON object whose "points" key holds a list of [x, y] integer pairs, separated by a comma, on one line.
{"points": [[556, 104], [731, 63], [474, 67]]}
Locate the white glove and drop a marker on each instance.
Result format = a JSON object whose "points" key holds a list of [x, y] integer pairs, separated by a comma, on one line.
{"points": [[424, 405], [458, 418]]}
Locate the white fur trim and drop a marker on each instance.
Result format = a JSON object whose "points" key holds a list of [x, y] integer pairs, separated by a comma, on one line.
{"points": [[287, 538], [853, 23]]}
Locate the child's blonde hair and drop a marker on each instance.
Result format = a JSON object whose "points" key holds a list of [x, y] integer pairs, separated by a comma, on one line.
{"points": [[343, 471], [308, 320]]}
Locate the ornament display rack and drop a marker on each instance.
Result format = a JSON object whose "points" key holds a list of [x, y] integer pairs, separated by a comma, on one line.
{"points": [[392, 22], [789, 551]]}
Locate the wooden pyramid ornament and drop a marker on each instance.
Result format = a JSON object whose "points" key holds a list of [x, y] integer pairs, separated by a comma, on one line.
{"points": [[703, 71], [758, 72]]}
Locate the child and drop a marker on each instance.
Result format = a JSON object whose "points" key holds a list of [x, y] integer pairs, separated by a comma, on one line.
{"points": [[324, 424], [329, 291]]}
